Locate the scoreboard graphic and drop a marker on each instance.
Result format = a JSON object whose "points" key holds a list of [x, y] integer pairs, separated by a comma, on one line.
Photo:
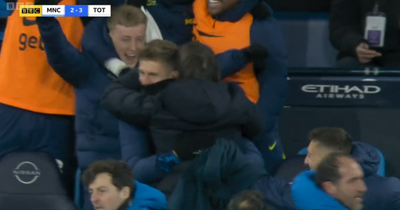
{"points": [[63, 10]]}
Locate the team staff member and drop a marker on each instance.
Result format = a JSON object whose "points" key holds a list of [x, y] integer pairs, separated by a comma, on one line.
{"points": [[382, 193], [348, 21], [123, 192], [36, 104], [96, 130], [338, 184], [234, 24], [206, 110]]}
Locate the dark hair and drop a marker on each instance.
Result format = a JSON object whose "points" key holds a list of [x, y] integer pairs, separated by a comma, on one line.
{"points": [[119, 171], [328, 169], [126, 15], [247, 200], [197, 61], [161, 51], [333, 138]]}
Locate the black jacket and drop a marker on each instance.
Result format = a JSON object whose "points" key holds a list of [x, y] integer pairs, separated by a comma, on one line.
{"points": [[186, 105], [347, 24], [216, 175]]}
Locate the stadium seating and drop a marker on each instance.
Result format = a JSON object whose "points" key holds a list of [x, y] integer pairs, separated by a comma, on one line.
{"points": [[78, 193], [307, 39], [381, 170], [291, 167], [31, 180]]}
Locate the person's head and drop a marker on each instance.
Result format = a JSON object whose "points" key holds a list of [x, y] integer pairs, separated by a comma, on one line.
{"points": [[342, 177], [127, 29], [111, 184], [197, 61], [247, 200], [218, 7], [324, 141], [158, 61]]}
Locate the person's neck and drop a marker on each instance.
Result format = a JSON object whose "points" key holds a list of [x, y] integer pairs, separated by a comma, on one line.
{"points": [[125, 205]]}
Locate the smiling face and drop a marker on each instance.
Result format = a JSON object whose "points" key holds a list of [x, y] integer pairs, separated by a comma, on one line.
{"points": [[350, 188], [128, 41], [218, 7], [127, 30]]}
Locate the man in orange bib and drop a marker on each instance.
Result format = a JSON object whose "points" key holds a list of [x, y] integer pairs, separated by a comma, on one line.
{"points": [[36, 105], [234, 24]]}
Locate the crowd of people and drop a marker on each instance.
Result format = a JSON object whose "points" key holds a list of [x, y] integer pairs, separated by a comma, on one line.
{"points": [[174, 105]]}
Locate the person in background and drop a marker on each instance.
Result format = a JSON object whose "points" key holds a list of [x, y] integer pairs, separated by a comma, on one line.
{"points": [[96, 129], [174, 18], [112, 187], [383, 193], [183, 116], [36, 104], [248, 200], [348, 24], [339, 180], [234, 24]]}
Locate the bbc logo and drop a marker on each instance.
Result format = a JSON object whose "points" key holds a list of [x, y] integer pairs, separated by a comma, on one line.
{"points": [[30, 10]]}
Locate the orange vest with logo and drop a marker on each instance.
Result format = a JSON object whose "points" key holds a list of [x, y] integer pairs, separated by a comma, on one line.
{"points": [[223, 36], [26, 79]]}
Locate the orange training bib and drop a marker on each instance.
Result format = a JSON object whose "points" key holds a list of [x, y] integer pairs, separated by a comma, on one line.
{"points": [[26, 79], [223, 36]]}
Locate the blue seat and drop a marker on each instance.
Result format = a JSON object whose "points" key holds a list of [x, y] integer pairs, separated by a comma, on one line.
{"points": [[78, 194], [303, 151], [381, 169], [307, 39]]}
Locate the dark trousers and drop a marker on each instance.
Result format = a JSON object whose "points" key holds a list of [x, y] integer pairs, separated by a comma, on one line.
{"points": [[22, 130], [270, 146]]}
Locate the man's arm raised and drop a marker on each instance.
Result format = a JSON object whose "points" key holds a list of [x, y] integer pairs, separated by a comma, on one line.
{"points": [[63, 57]]}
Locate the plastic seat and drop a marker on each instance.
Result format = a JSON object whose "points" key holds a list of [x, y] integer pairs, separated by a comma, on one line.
{"points": [[382, 167], [291, 167], [78, 194]]}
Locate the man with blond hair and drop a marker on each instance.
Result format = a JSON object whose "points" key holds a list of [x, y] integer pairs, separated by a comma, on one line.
{"points": [[96, 130]]}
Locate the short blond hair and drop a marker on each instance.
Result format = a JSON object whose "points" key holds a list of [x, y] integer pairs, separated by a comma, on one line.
{"points": [[126, 15], [161, 51]]}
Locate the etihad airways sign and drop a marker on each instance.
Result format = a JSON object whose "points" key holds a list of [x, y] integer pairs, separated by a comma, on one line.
{"points": [[341, 91]]}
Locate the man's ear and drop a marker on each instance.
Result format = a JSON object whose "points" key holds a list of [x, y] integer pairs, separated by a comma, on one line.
{"points": [[174, 74], [111, 29], [329, 188], [125, 192]]}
